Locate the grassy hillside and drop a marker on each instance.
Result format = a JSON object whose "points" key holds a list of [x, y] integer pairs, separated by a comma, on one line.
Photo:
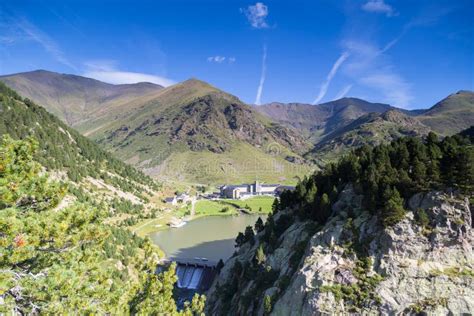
{"points": [[175, 130], [70, 156], [241, 164], [316, 121], [189, 130], [72, 98], [451, 115], [370, 129]]}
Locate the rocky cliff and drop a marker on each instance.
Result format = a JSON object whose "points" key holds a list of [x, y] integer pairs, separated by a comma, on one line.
{"points": [[353, 264]]}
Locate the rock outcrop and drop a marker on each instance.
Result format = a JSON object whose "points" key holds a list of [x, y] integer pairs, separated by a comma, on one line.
{"points": [[354, 265]]}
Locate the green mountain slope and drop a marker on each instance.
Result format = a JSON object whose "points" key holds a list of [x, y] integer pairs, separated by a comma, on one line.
{"points": [[66, 152], [72, 98], [370, 129], [315, 121], [190, 130], [154, 128], [452, 114], [61, 249], [62, 257]]}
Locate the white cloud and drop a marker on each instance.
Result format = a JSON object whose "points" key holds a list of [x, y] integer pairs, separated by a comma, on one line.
{"points": [[258, 98], [324, 87], [107, 71], [344, 91], [379, 6], [216, 59], [220, 59], [257, 14]]}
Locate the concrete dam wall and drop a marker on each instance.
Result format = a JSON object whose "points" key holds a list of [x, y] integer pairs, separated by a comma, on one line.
{"points": [[195, 277], [193, 274]]}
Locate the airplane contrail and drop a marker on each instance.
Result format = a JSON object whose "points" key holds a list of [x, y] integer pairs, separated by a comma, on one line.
{"points": [[331, 74], [258, 99], [343, 92]]}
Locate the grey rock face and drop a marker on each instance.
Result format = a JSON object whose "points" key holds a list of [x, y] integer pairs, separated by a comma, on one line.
{"points": [[428, 268]]}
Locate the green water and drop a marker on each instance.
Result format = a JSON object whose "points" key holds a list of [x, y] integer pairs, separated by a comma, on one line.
{"points": [[210, 237]]}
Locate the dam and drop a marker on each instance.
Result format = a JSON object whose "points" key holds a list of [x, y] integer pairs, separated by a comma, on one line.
{"points": [[194, 274]]}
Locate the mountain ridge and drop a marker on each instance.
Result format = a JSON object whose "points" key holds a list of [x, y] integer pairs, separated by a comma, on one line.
{"points": [[71, 97], [452, 114], [154, 128]]}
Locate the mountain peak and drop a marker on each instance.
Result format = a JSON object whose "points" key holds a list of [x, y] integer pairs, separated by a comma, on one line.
{"points": [[465, 92], [195, 82]]}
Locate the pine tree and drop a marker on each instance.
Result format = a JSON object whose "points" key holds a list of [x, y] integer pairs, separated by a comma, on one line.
{"points": [[249, 235], [259, 225], [239, 240], [275, 206], [392, 211]]}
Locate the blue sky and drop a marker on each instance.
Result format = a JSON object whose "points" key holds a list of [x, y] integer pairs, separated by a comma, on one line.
{"points": [[407, 53]]}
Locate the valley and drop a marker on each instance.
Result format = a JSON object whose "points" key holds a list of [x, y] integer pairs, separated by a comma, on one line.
{"points": [[181, 172], [236, 158]]}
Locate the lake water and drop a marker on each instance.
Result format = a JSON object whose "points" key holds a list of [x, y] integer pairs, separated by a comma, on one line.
{"points": [[211, 237]]}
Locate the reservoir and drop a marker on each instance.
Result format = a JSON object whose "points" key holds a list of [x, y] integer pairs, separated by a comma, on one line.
{"points": [[211, 237]]}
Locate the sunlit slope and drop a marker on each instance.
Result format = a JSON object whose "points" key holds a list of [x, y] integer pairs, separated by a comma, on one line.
{"points": [[194, 121], [451, 115], [75, 99]]}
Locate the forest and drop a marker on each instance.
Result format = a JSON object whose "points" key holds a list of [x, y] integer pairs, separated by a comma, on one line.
{"points": [[58, 258], [386, 176]]}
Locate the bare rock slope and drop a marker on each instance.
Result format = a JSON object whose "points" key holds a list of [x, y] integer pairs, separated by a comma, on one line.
{"points": [[354, 265]]}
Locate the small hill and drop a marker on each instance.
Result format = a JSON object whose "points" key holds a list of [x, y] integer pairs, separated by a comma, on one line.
{"points": [[74, 98], [369, 129], [452, 114]]}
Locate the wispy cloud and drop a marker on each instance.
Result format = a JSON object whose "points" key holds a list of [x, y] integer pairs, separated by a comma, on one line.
{"points": [[395, 89], [257, 15], [258, 98], [221, 59], [20, 29], [370, 67], [107, 71], [379, 6], [370, 64], [324, 86], [343, 92]]}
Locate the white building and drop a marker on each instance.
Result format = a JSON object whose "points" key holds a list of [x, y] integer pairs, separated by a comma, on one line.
{"points": [[243, 190]]}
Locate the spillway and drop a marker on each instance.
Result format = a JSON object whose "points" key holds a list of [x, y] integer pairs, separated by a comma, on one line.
{"points": [[188, 275], [195, 274], [180, 271], [196, 279]]}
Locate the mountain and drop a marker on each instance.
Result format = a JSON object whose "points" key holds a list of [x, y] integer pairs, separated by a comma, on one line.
{"points": [[194, 132], [69, 155], [369, 129], [452, 114], [73, 98], [190, 131], [318, 120], [386, 230]]}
